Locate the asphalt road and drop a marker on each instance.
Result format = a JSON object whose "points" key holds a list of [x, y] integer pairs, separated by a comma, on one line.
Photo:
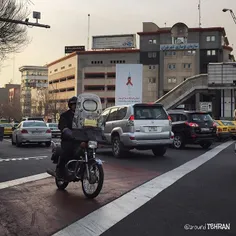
{"points": [[206, 195]]}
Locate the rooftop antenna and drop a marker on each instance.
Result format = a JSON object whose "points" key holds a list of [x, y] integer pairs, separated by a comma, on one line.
{"points": [[88, 31], [165, 24], [199, 16]]}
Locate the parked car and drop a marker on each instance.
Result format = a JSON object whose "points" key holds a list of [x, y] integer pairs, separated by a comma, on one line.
{"points": [[1, 133], [192, 127], [222, 131], [54, 128], [31, 132], [138, 126]]}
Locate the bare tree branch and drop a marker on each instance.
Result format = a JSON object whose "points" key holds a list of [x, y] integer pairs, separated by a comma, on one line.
{"points": [[13, 37]]}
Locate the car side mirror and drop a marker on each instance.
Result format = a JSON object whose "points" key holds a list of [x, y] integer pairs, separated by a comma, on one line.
{"points": [[13, 128]]}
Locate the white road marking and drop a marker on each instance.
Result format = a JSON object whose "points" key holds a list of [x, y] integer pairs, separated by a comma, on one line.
{"points": [[23, 158], [107, 216], [24, 180], [7, 140]]}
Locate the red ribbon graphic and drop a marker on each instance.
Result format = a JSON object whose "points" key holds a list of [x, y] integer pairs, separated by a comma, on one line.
{"points": [[129, 81]]}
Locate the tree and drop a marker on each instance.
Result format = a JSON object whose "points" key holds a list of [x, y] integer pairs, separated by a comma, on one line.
{"points": [[10, 111], [12, 36]]}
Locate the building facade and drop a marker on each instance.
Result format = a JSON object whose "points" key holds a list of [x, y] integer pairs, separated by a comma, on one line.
{"points": [[170, 55], [34, 85], [88, 71]]}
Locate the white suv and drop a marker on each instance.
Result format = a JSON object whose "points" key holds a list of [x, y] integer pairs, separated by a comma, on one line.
{"points": [[140, 126]]}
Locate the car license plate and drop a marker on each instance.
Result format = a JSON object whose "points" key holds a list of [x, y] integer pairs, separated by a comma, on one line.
{"points": [[154, 129], [205, 129], [36, 132]]}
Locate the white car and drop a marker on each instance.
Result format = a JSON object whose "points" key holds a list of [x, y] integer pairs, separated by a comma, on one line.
{"points": [[32, 131]]}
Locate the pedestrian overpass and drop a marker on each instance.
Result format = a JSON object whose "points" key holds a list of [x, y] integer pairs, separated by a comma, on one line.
{"points": [[198, 85]]}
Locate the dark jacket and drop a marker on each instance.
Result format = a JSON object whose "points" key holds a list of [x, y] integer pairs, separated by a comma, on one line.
{"points": [[65, 121]]}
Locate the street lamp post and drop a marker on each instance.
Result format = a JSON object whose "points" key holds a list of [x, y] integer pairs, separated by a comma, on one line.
{"points": [[231, 12]]}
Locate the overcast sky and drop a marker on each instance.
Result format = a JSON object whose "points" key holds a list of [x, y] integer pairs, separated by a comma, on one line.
{"points": [[69, 24]]}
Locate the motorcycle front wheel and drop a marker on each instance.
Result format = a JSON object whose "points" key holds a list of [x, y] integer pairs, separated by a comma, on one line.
{"points": [[92, 186]]}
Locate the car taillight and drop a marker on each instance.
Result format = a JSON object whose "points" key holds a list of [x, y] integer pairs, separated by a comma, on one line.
{"points": [[48, 131], [191, 124], [131, 117], [219, 130], [24, 131], [214, 124], [169, 118]]}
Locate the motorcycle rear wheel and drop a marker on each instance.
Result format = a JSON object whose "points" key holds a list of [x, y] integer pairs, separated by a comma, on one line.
{"points": [[100, 181]]}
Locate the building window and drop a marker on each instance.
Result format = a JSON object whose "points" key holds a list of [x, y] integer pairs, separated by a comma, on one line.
{"points": [[211, 38], [69, 65], [152, 80], [171, 66], [152, 54], [152, 41], [96, 62], [187, 65], [55, 70], [170, 53], [111, 87], [94, 75], [152, 67], [111, 75], [94, 87], [63, 67], [171, 80], [211, 52], [189, 53]]}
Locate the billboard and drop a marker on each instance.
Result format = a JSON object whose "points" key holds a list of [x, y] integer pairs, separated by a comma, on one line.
{"points": [[114, 41], [129, 84], [187, 46], [70, 49]]}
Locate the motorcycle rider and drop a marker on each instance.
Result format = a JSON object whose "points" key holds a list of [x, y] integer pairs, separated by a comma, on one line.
{"points": [[67, 144]]}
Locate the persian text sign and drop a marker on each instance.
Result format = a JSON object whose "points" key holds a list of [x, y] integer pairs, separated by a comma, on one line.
{"points": [[188, 46], [129, 84], [114, 41]]}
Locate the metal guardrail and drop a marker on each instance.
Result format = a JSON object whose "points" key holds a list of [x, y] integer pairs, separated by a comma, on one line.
{"points": [[184, 89]]}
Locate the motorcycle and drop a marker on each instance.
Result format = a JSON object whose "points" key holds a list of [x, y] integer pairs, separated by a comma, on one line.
{"points": [[84, 166]]}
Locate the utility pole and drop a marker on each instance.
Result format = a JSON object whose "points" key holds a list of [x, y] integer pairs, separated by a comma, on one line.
{"points": [[36, 15], [88, 31], [199, 15]]}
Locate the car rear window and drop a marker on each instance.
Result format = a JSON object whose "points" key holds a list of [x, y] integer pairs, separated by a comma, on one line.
{"points": [[199, 117], [35, 118], [226, 122], [53, 125], [149, 113], [34, 124], [6, 125]]}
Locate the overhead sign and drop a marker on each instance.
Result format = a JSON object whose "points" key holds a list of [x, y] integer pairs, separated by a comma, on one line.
{"points": [[206, 106], [114, 41], [188, 46], [70, 49], [129, 84]]}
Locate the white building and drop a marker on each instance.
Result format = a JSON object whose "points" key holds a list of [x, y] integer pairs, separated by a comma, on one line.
{"points": [[34, 84]]}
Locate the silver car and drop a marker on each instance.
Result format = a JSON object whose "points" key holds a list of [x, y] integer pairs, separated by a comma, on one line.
{"points": [[31, 132], [54, 128], [139, 126]]}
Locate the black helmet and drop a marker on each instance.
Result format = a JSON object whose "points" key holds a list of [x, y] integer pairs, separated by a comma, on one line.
{"points": [[71, 101]]}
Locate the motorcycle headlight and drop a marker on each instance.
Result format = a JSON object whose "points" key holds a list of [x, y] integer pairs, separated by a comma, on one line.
{"points": [[92, 144]]}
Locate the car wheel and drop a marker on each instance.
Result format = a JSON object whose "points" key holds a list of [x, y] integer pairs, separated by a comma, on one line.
{"points": [[48, 144], [117, 147], [159, 151], [18, 144], [178, 142], [206, 145]]}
